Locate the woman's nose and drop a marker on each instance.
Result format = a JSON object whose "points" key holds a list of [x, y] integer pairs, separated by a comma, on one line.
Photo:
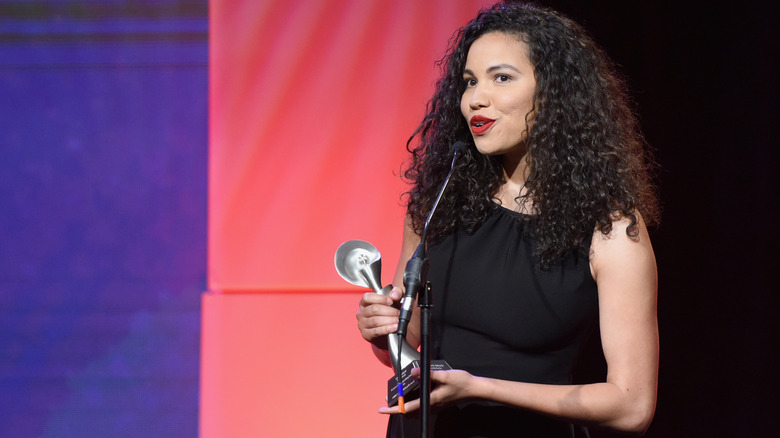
{"points": [[479, 98]]}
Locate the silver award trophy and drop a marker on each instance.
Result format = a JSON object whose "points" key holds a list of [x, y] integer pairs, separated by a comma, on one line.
{"points": [[358, 262]]}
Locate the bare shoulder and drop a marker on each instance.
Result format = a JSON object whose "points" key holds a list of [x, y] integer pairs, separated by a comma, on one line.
{"points": [[621, 250]]}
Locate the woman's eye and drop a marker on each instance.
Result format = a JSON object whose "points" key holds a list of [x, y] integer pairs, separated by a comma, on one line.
{"points": [[471, 82], [502, 78]]}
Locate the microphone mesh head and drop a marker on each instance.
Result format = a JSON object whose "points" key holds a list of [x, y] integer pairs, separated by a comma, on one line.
{"points": [[458, 147]]}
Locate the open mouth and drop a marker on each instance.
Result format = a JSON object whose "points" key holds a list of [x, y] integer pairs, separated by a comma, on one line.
{"points": [[480, 124]]}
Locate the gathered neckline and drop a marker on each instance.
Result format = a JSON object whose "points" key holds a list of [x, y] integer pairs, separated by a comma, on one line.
{"points": [[500, 207]]}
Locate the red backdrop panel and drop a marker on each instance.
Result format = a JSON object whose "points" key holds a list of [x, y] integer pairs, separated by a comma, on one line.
{"points": [[267, 373], [311, 103]]}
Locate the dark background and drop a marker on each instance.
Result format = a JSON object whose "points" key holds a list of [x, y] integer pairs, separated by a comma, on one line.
{"points": [[704, 78], [103, 149]]}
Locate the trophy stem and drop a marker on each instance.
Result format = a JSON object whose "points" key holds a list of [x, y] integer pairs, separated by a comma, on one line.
{"points": [[407, 354]]}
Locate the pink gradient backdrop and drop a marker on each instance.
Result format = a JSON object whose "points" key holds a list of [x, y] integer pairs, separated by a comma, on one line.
{"points": [[311, 103]]}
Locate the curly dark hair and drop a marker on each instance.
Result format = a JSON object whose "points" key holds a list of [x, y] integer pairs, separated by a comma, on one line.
{"points": [[589, 162]]}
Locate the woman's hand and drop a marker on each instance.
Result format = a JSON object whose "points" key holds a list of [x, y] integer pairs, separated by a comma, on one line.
{"points": [[377, 317], [449, 386]]}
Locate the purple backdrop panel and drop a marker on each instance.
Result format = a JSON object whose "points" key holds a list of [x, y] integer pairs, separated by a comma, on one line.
{"points": [[103, 149]]}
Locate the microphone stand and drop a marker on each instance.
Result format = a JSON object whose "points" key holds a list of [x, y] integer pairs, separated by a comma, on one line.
{"points": [[426, 306], [415, 280], [415, 277]]}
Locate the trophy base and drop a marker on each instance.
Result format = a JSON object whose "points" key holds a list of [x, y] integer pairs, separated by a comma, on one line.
{"points": [[411, 384]]}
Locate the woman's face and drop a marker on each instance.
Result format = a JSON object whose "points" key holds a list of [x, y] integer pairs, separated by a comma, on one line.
{"points": [[499, 93]]}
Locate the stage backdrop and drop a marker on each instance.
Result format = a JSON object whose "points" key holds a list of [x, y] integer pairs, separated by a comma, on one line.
{"points": [[311, 104], [103, 126]]}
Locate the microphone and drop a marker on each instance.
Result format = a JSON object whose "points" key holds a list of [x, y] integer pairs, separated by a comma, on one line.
{"points": [[416, 270]]}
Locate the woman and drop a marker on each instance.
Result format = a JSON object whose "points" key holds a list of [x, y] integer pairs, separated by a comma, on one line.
{"points": [[539, 237]]}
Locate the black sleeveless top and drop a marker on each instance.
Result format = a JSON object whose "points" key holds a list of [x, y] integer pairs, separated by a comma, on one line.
{"points": [[496, 314]]}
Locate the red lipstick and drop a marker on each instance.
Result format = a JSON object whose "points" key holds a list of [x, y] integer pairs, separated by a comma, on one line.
{"points": [[480, 124]]}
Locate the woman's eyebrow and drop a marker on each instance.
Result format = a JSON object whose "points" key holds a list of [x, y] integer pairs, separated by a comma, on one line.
{"points": [[493, 68], [502, 66]]}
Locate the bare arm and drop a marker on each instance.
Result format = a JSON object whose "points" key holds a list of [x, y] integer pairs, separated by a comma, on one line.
{"points": [[376, 316], [625, 272]]}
